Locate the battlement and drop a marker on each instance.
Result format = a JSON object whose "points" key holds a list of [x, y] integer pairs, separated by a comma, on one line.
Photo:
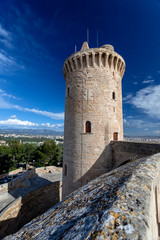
{"points": [[103, 57]]}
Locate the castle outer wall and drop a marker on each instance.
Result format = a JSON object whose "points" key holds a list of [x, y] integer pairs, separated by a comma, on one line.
{"points": [[94, 95]]}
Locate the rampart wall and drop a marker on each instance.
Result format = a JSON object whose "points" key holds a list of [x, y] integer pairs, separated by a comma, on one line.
{"points": [[25, 208], [123, 151], [10, 173], [16, 182], [122, 204]]}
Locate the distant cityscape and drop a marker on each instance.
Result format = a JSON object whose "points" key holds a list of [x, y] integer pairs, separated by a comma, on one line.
{"points": [[38, 136], [143, 139], [28, 136]]}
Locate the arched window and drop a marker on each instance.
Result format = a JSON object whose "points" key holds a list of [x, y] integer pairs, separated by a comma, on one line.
{"points": [[113, 95], [65, 170], [88, 127]]}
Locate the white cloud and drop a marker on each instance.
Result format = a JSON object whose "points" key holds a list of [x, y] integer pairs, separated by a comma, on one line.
{"points": [[139, 123], [6, 43], [8, 63], [148, 81], [60, 125], [14, 122], [3, 32], [158, 132], [135, 83], [17, 122], [13, 116], [148, 100], [4, 94], [5, 59], [5, 37], [57, 116], [6, 105], [129, 96], [149, 77]]}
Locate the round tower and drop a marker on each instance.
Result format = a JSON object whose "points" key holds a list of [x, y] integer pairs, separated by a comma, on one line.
{"points": [[93, 113]]}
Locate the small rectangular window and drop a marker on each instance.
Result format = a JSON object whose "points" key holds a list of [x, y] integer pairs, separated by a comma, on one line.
{"points": [[115, 136]]}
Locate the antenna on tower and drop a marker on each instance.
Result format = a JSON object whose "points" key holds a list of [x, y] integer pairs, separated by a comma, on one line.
{"points": [[88, 35], [75, 48], [97, 37]]}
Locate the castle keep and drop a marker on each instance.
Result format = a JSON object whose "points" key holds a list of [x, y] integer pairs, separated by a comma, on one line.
{"points": [[93, 113]]}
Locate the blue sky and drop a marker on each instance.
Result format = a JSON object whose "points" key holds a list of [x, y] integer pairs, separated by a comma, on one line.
{"points": [[36, 37]]}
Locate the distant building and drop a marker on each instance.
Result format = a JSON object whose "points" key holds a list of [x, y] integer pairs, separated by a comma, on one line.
{"points": [[2, 142]]}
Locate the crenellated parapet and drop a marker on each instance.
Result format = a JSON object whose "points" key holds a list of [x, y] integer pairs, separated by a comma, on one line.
{"points": [[103, 57]]}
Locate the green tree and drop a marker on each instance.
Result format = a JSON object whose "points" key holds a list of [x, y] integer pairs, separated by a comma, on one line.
{"points": [[6, 160]]}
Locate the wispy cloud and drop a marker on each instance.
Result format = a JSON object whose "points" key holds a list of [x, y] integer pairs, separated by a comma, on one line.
{"points": [[135, 83], [4, 94], [5, 37], [139, 123], [8, 63], [6, 105], [148, 81], [60, 125], [129, 96], [56, 116], [3, 32], [6, 59], [149, 76], [148, 100]]}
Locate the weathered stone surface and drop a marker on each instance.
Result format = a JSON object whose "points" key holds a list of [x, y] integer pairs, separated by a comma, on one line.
{"points": [[123, 151], [121, 204], [93, 93], [33, 197]]}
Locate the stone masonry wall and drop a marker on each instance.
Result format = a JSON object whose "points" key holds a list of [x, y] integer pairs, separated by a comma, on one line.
{"points": [[25, 208], [123, 151], [122, 204], [92, 76], [16, 182]]}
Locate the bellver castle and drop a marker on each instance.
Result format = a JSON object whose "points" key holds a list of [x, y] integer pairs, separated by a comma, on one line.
{"points": [[93, 113], [123, 200]]}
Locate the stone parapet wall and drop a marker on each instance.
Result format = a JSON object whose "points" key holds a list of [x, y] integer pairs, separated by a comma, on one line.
{"points": [[11, 173], [17, 182], [121, 204], [25, 208], [123, 151], [48, 169]]}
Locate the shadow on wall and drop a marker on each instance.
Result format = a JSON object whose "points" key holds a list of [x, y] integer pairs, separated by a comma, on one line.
{"points": [[101, 166], [99, 202], [28, 204], [124, 152], [116, 154]]}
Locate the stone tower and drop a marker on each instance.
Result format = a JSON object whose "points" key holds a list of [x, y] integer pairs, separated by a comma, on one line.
{"points": [[93, 113]]}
